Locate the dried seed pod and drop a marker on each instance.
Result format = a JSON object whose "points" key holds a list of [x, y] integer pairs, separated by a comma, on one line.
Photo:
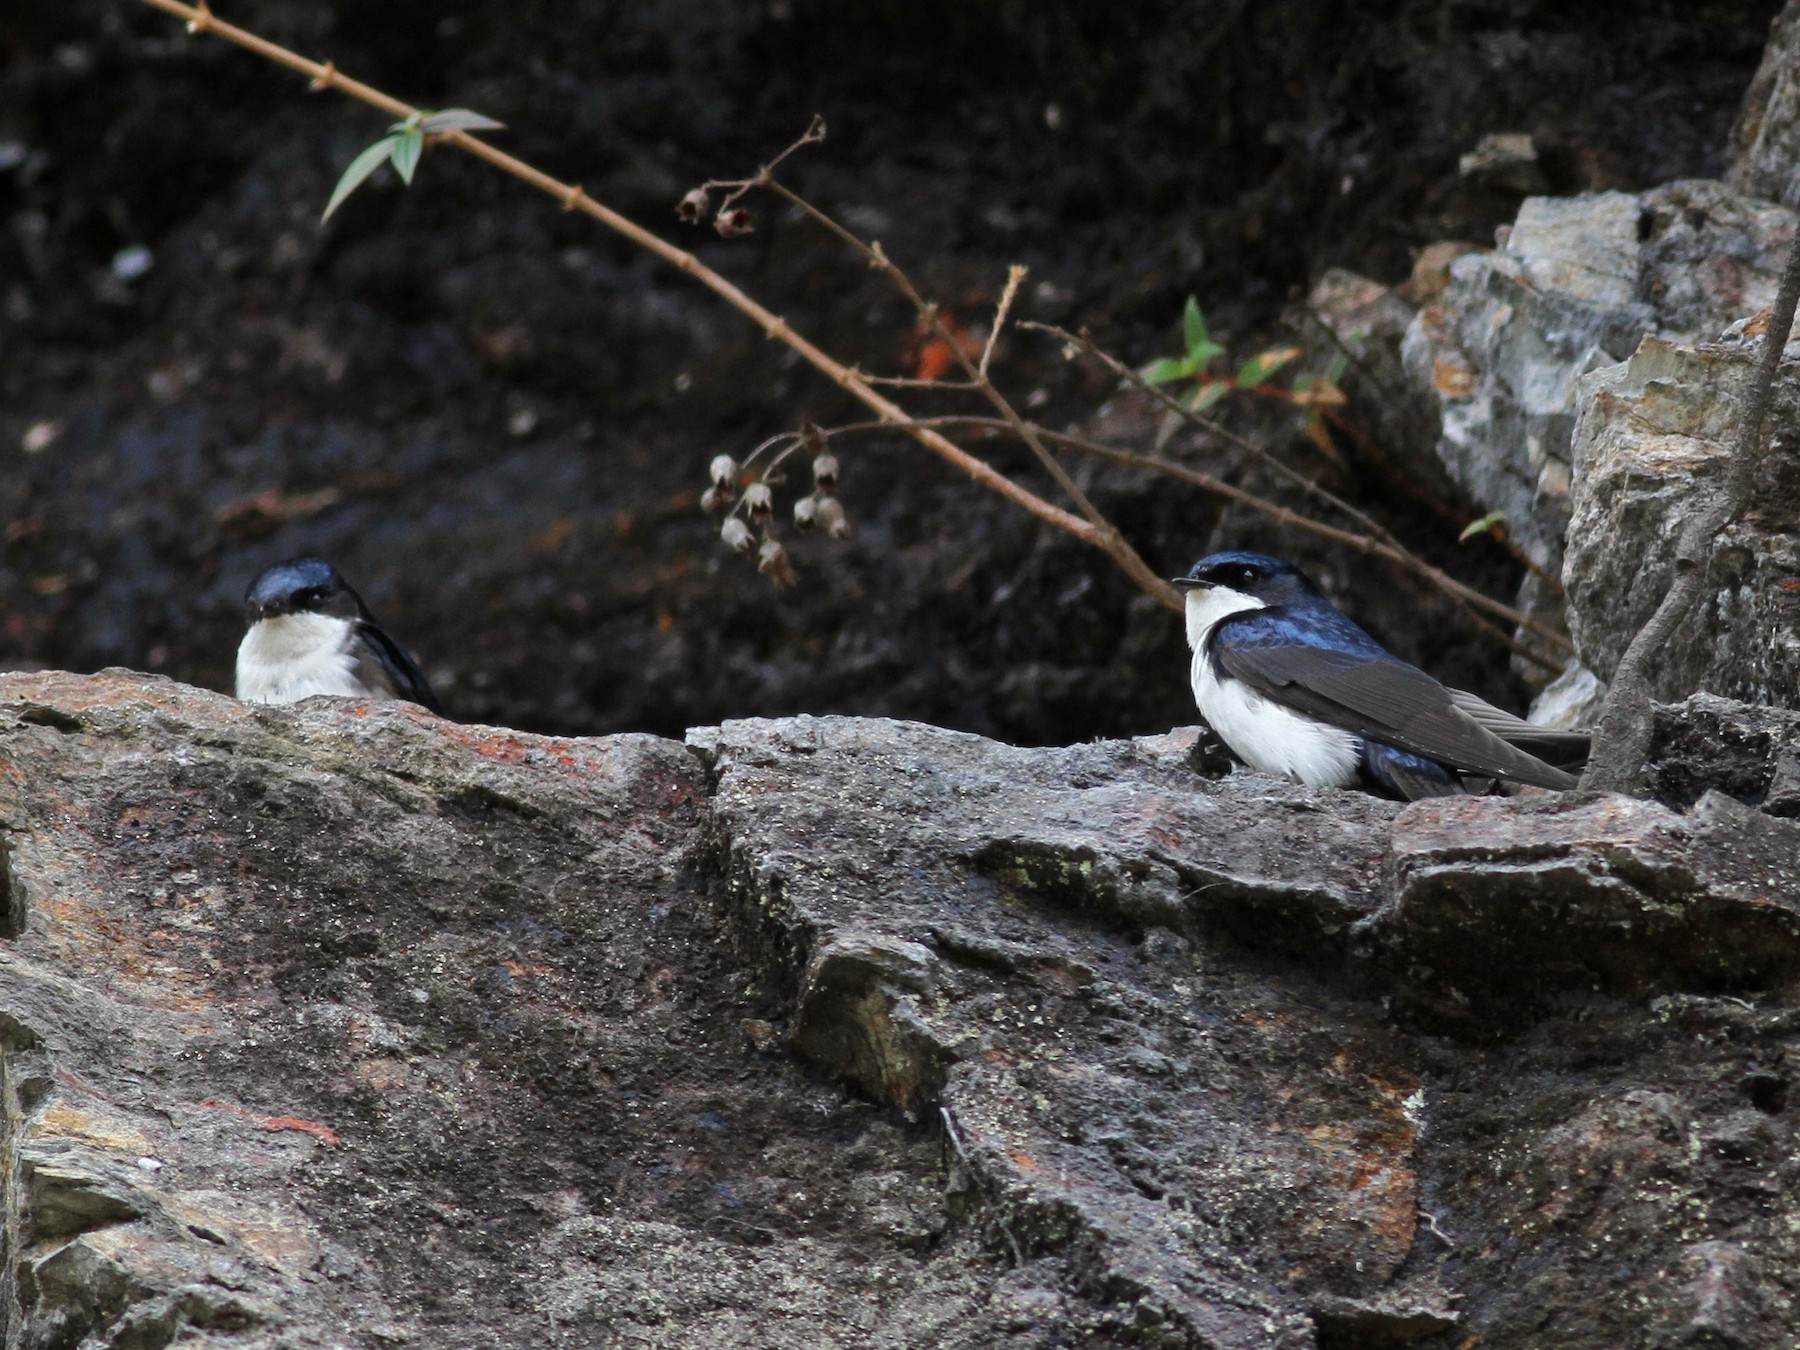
{"points": [[737, 534], [831, 515], [734, 221], [693, 208], [812, 438], [805, 514], [825, 472], [772, 562], [759, 501], [723, 471]]}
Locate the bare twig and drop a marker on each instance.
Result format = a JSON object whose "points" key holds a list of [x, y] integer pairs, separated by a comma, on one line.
{"points": [[1623, 741], [1106, 537], [1471, 601], [1378, 533], [1014, 275], [324, 75]]}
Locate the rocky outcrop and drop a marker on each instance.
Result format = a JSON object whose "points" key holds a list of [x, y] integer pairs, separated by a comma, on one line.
{"points": [[1765, 143], [343, 1025], [1655, 436], [1577, 284]]}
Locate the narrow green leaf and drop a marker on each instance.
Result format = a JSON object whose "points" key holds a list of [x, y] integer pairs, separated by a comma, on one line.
{"points": [[1335, 368], [458, 119], [1166, 370], [1482, 526], [1205, 354], [1193, 327], [408, 146], [1264, 364], [360, 168], [1207, 395]]}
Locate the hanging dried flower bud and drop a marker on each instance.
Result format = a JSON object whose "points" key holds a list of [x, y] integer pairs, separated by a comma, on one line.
{"points": [[737, 534], [759, 501], [805, 514], [723, 471], [694, 207], [825, 472], [831, 515], [812, 438], [716, 499], [734, 221], [772, 562]]}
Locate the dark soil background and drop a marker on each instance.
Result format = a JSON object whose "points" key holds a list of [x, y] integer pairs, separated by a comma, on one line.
{"points": [[496, 418]]}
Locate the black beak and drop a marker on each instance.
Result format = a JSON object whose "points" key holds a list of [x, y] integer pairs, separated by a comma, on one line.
{"points": [[1188, 583]]}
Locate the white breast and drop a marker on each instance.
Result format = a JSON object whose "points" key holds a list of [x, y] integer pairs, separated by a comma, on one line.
{"points": [[295, 656], [1265, 735]]}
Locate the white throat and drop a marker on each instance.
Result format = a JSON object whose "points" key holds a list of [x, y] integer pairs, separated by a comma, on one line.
{"points": [[294, 656], [1268, 737]]}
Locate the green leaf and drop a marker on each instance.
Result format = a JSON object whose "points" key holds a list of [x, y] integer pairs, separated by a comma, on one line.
{"points": [[1193, 328], [458, 119], [1207, 395], [1335, 368], [1166, 370], [1264, 364], [360, 168], [1482, 526], [408, 146]]}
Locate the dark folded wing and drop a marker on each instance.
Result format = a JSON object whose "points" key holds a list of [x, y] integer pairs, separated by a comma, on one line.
{"points": [[1564, 749], [380, 661], [1407, 776], [1332, 670]]}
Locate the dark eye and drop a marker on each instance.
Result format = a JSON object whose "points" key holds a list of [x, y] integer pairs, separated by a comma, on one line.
{"points": [[1247, 574]]}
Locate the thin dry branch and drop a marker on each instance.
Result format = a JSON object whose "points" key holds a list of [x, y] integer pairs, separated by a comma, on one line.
{"points": [[325, 75], [1378, 534], [1468, 599], [1107, 537]]}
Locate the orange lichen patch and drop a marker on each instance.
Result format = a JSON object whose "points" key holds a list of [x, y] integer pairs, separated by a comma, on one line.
{"points": [[1023, 1160], [277, 1123], [67, 1122], [1452, 379], [507, 748], [516, 969]]}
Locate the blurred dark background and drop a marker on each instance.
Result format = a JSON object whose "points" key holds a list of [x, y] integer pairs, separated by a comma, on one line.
{"points": [[496, 418]]}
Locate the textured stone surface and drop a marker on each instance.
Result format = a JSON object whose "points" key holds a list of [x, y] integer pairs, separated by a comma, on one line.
{"points": [[1654, 438], [1013, 948], [1713, 744], [339, 1025], [1765, 143], [1578, 282], [1573, 893]]}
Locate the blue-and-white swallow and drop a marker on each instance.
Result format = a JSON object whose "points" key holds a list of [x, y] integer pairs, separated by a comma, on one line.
{"points": [[311, 634], [1296, 689]]}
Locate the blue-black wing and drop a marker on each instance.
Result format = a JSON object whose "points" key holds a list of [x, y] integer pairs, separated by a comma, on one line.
{"points": [[1323, 665], [383, 663]]}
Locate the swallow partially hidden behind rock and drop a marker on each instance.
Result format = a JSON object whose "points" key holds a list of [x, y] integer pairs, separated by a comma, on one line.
{"points": [[1298, 690], [311, 634]]}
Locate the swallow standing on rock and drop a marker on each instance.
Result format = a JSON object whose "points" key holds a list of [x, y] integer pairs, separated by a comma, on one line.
{"points": [[311, 634], [1298, 690]]}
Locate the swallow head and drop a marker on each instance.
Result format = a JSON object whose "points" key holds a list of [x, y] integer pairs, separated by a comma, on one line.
{"points": [[300, 586], [1255, 576]]}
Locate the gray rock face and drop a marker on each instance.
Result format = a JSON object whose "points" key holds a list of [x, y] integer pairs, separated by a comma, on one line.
{"points": [[1578, 282], [342, 1025], [1654, 438], [1765, 143]]}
